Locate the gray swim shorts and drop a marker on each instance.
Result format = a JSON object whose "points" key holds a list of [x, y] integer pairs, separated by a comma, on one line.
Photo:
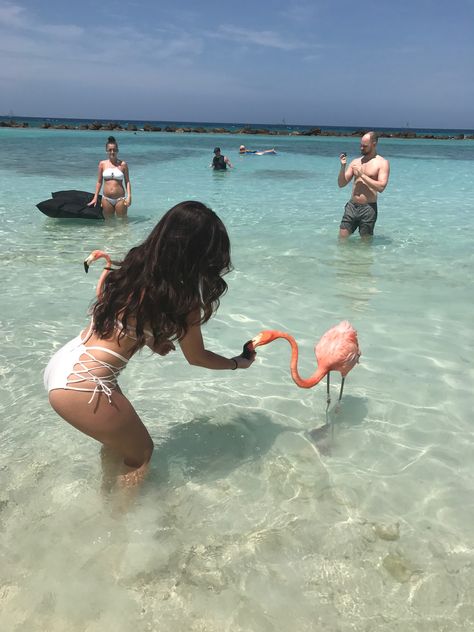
{"points": [[361, 216]]}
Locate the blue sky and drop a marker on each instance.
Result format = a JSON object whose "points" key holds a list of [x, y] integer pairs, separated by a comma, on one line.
{"points": [[321, 62]]}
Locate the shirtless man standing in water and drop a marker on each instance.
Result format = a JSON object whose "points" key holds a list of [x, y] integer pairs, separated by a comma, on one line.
{"points": [[370, 173]]}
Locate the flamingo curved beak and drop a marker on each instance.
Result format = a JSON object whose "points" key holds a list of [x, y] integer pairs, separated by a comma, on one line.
{"points": [[264, 337], [248, 349], [94, 255], [88, 261]]}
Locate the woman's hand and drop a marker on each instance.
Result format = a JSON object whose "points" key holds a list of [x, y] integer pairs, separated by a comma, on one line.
{"points": [[244, 363], [93, 202], [127, 202], [163, 347]]}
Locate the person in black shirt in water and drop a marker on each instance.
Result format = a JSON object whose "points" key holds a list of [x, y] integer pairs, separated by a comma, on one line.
{"points": [[219, 162]]}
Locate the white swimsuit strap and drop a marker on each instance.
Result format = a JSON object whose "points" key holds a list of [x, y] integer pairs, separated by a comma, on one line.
{"points": [[85, 370], [104, 384], [87, 337], [128, 330], [114, 353], [88, 334]]}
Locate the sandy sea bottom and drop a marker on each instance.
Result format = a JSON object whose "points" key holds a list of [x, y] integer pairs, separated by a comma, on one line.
{"points": [[248, 521]]}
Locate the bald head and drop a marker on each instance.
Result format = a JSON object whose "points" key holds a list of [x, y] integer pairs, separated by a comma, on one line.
{"points": [[368, 143]]}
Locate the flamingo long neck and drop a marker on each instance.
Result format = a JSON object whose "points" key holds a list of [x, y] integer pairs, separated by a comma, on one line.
{"points": [[105, 272], [297, 379]]}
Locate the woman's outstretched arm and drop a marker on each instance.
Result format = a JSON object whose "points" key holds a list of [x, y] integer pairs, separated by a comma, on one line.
{"points": [[192, 345]]}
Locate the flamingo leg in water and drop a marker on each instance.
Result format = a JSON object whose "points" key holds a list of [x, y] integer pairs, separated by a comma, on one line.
{"points": [[342, 388], [329, 423], [337, 405], [319, 435], [328, 398]]}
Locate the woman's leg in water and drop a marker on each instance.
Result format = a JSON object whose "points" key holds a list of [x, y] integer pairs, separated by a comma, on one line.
{"points": [[116, 425], [121, 209], [112, 468], [108, 209]]}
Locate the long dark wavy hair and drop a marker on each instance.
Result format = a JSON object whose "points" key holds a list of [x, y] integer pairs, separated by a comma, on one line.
{"points": [[175, 271]]}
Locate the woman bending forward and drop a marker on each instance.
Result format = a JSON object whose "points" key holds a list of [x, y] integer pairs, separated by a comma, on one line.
{"points": [[163, 291]]}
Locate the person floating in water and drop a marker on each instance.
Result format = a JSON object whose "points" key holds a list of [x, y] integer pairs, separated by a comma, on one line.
{"points": [[258, 152], [370, 173], [220, 162], [161, 293]]}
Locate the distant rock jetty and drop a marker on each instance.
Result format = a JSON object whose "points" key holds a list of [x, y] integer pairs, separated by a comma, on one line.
{"points": [[148, 127], [13, 123]]}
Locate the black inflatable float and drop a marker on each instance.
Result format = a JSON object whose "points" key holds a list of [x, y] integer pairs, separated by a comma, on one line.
{"points": [[71, 205]]}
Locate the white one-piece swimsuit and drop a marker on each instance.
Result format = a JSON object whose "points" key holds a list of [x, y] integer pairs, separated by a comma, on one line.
{"points": [[75, 364]]}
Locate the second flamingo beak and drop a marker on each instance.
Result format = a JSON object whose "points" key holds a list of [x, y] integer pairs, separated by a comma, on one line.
{"points": [[87, 262]]}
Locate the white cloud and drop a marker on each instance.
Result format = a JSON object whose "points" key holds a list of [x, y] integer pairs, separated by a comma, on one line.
{"points": [[269, 39], [61, 31], [11, 15], [28, 44], [312, 58], [15, 17], [66, 64], [22, 33], [300, 12]]}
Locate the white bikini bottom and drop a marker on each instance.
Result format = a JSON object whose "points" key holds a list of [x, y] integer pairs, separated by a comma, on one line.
{"points": [[113, 201]]}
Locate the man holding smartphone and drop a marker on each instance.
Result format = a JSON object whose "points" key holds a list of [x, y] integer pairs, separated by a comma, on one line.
{"points": [[370, 173]]}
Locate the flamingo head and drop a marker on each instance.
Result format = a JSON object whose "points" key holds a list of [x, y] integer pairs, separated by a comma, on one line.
{"points": [[264, 337], [96, 254]]}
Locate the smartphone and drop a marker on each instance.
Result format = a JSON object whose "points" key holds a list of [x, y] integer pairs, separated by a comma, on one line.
{"points": [[344, 155]]}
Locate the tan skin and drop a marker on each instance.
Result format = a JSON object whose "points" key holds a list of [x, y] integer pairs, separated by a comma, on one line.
{"points": [[117, 425], [113, 188], [370, 173]]}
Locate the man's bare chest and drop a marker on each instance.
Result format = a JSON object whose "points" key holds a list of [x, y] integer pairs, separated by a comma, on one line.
{"points": [[370, 168]]}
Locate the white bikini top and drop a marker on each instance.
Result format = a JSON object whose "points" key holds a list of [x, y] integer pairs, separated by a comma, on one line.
{"points": [[130, 332], [113, 173]]}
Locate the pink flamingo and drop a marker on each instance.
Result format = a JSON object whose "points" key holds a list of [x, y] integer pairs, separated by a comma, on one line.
{"points": [[99, 254], [337, 350]]}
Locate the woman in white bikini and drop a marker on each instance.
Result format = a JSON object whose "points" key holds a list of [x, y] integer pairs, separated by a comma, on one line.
{"points": [[113, 175], [163, 291]]}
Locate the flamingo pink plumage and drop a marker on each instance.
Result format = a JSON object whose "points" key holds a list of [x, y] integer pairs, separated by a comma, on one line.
{"points": [[99, 254], [337, 350]]}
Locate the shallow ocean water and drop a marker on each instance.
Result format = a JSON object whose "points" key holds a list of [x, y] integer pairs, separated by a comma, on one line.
{"points": [[245, 522]]}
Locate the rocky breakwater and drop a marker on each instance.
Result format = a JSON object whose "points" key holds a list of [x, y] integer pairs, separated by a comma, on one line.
{"points": [[12, 123], [246, 130]]}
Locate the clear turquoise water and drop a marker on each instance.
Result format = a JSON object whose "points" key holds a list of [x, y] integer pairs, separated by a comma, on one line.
{"points": [[244, 524]]}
